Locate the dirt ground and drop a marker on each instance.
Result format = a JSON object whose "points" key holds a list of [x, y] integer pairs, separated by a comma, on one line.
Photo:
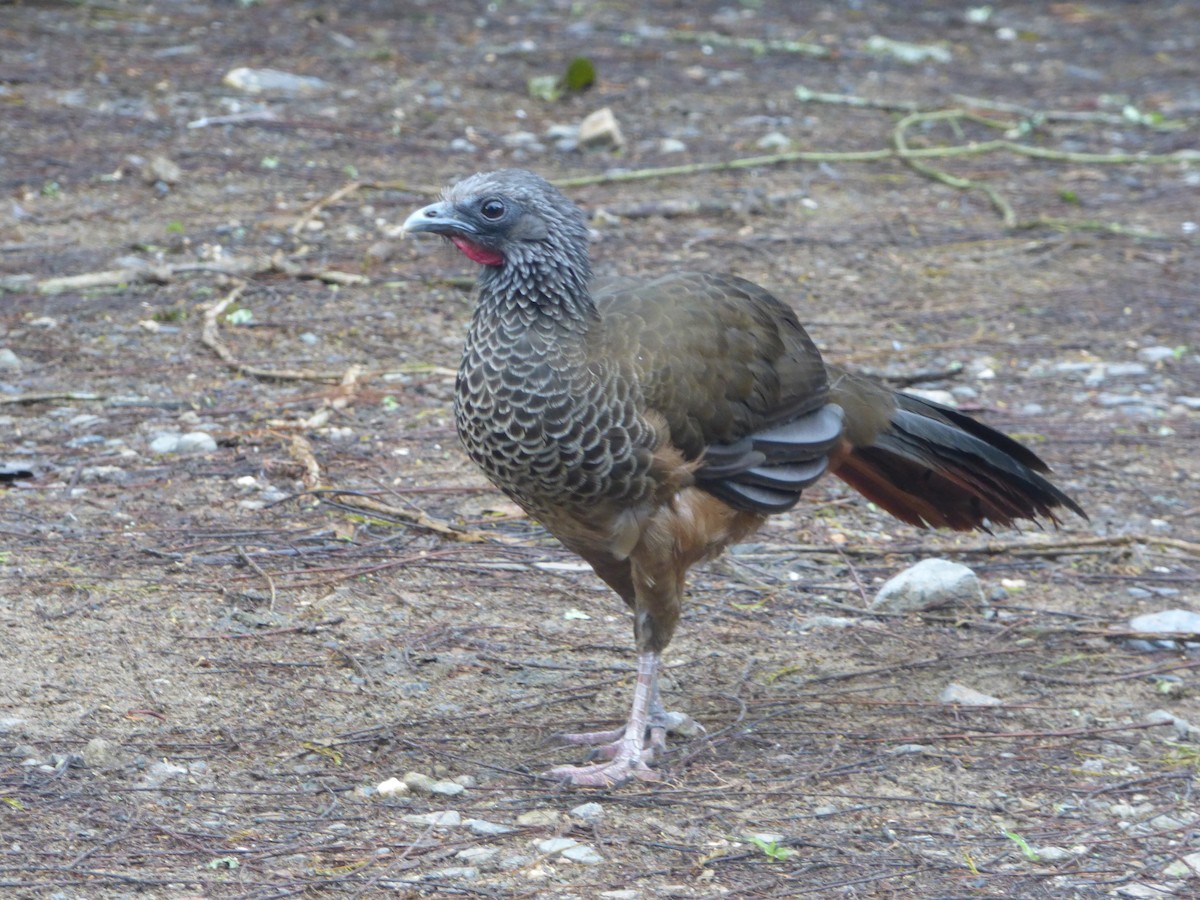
{"points": [[213, 654]]}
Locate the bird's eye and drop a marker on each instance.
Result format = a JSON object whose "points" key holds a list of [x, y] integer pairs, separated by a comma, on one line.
{"points": [[492, 209]]}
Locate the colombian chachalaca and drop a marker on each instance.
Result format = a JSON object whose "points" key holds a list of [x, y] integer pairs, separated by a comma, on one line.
{"points": [[650, 424]]}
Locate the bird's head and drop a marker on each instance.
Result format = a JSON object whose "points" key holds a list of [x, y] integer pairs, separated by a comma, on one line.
{"points": [[511, 219]]}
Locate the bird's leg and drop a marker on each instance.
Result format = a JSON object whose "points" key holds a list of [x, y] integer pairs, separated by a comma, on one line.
{"points": [[629, 756], [659, 723]]}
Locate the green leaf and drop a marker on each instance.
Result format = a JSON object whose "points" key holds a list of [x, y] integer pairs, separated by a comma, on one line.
{"points": [[1028, 852], [240, 316], [581, 74]]}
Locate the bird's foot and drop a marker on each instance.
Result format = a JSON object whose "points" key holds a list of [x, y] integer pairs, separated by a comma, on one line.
{"points": [[608, 744], [628, 760]]}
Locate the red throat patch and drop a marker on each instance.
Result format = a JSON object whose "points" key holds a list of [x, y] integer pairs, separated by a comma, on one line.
{"points": [[481, 255]]}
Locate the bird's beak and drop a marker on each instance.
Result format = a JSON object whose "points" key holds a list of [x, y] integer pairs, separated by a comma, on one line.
{"points": [[437, 218]]}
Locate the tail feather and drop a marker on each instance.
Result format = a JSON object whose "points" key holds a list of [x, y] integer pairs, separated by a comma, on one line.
{"points": [[934, 466]]}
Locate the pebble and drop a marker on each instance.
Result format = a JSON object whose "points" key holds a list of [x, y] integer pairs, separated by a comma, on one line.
{"points": [[391, 788], [564, 137], [477, 856], [1167, 620], [590, 813], [105, 474], [447, 788], [160, 169], [1189, 402], [556, 845], [1184, 729], [454, 873], [484, 827], [600, 131], [571, 849], [774, 142], [418, 782], [965, 696], [273, 81], [538, 818], [1125, 370], [1184, 867], [668, 146], [192, 442], [9, 361], [816, 623], [930, 584], [1156, 354], [447, 818], [462, 145]]}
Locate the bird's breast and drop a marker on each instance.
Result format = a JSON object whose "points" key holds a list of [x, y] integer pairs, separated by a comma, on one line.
{"points": [[550, 430]]}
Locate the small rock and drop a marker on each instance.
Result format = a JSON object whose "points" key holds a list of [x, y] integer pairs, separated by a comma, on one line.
{"points": [[391, 788], [816, 623], [522, 140], [484, 827], [159, 168], [447, 818], [1184, 729], [620, 895], [774, 142], [538, 818], [447, 788], [668, 146], [1168, 620], [454, 873], [1053, 854], [965, 696], [477, 856], [551, 846], [564, 137], [1156, 354], [600, 130], [164, 443], [462, 145], [419, 782], [583, 854], [1189, 402], [102, 754], [196, 442], [9, 361], [1125, 370], [590, 813], [273, 81], [1185, 867], [107, 474], [930, 584]]}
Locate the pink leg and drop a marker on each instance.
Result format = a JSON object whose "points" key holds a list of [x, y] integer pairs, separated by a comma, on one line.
{"points": [[625, 748]]}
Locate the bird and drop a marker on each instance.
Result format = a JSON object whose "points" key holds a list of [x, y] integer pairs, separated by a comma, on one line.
{"points": [[649, 424]]}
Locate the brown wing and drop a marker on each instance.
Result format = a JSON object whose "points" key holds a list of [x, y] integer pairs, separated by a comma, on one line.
{"points": [[739, 383]]}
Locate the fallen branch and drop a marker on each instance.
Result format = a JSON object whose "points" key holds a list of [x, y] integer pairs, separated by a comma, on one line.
{"points": [[210, 336], [355, 502]]}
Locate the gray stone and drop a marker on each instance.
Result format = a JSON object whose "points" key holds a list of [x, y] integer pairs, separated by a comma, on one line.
{"points": [[556, 845], [930, 584], [164, 443], [774, 142], [447, 788], [964, 696], [668, 146], [9, 361], [484, 827], [196, 442], [447, 818], [273, 81], [591, 813], [419, 782], [1156, 354], [583, 854], [600, 130], [1165, 621], [1189, 402], [539, 818], [159, 168], [161, 772], [454, 873]]}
